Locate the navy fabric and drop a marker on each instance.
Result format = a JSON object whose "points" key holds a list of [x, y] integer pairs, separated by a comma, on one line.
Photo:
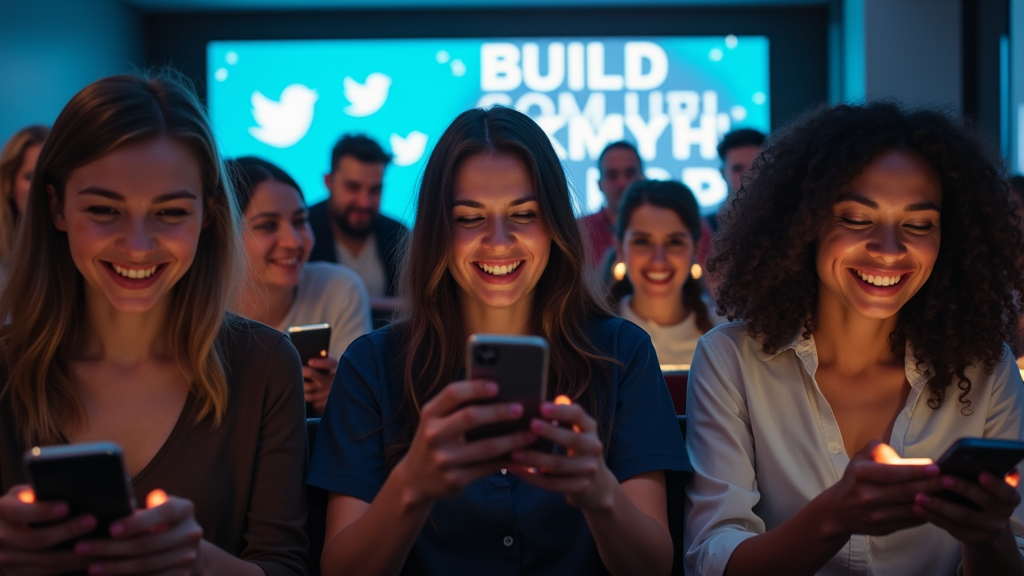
{"points": [[499, 524]]}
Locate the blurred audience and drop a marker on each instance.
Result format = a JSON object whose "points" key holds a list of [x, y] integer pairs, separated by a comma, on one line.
{"points": [[657, 237], [282, 289], [348, 226], [119, 331], [17, 164], [738, 149], [864, 340], [620, 166], [496, 250]]}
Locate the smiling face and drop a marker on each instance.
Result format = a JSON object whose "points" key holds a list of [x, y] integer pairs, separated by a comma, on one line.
{"points": [[620, 167], [278, 239], [23, 178], [658, 250], [355, 188], [133, 219], [880, 245], [500, 244]]}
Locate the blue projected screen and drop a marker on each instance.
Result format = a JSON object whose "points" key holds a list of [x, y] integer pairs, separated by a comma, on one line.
{"points": [[674, 97]]}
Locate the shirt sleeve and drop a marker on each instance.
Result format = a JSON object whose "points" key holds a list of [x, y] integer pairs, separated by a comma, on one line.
{"points": [[275, 536], [721, 497], [352, 315], [645, 433], [1006, 420], [348, 456]]}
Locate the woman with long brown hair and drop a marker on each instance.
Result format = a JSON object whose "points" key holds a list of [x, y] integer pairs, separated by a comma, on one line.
{"points": [[17, 164], [118, 331], [496, 249]]}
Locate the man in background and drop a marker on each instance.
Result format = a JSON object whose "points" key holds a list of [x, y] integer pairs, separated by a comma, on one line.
{"points": [[620, 166], [738, 149], [349, 227]]}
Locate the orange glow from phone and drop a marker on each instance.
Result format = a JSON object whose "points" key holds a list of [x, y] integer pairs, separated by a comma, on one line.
{"points": [[562, 400], [884, 454], [156, 498], [1012, 478], [27, 496]]}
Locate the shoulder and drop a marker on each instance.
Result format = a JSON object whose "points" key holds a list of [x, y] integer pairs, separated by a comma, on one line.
{"points": [[318, 208], [245, 340], [379, 345], [616, 336]]}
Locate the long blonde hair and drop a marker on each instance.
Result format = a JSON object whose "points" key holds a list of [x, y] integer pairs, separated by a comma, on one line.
{"points": [[44, 298], [11, 158]]}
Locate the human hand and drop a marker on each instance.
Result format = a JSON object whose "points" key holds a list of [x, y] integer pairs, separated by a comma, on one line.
{"points": [[163, 539], [440, 461], [581, 474], [25, 549], [875, 496], [995, 497], [318, 377]]}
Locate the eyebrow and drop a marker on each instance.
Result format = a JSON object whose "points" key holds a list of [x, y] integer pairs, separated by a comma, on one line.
{"points": [[475, 204], [872, 204], [111, 195]]}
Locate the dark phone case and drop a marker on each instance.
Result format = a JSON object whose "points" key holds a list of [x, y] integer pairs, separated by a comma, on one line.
{"points": [[969, 457], [90, 478], [519, 365], [311, 342]]}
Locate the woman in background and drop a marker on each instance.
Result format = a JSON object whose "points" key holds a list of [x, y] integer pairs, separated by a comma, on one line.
{"points": [[17, 164], [119, 331], [657, 237], [283, 288], [876, 265], [496, 249]]}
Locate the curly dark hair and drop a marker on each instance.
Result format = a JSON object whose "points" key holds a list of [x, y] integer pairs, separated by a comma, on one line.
{"points": [[764, 258]]}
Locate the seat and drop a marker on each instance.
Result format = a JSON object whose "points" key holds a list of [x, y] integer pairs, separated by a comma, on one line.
{"points": [[316, 500], [675, 495], [675, 380]]}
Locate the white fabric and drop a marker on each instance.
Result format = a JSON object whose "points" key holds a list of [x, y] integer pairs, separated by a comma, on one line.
{"points": [[763, 442], [676, 343], [333, 294], [367, 265]]}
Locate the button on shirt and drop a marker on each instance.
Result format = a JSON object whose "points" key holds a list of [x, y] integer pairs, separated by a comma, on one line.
{"points": [[500, 524], [764, 442]]}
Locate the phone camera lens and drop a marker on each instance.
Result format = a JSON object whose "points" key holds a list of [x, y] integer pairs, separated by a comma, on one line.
{"points": [[486, 355]]}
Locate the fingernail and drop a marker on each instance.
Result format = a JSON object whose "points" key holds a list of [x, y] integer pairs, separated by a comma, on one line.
{"points": [[88, 523], [923, 499], [491, 388], [83, 548], [116, 529], [515, 409], [948, 482], [59, 509], [537, 425], [547, 409], [931, 470]]}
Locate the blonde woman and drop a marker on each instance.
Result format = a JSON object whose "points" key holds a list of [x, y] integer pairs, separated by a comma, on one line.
{"points": [[125, 262]]}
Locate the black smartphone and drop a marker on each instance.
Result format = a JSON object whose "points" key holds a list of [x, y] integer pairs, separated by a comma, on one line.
{"points": [[311, 340], [969, 457], [519, 366], [89, 477]]}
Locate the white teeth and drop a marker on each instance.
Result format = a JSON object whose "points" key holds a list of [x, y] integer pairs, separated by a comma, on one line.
{"points": [[286, 262], [134, 272], [879, 280], [499, 270], [658, 276]]}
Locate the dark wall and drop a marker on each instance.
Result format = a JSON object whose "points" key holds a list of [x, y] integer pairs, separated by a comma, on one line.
{"points": [[798, 36]]}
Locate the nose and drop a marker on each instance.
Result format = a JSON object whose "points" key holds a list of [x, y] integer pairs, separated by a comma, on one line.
{"points": [[498, 235], [887, 244], [658, 254], [289, 237], [138, 237]]}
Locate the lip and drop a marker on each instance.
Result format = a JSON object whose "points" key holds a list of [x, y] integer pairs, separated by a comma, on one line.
{"points": [[277, 262], [134, 283], [880, 290], [506, 279], [652, 281]]}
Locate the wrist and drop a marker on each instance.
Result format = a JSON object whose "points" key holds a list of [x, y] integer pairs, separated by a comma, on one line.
{"points": [[826, 522], [410, 495], [605, 491]]}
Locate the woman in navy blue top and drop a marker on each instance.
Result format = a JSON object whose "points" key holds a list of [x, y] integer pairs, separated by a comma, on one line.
{"points": [[496, 249]]}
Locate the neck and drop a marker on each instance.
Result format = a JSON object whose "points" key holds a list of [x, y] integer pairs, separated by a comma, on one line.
{"points": [[850, 342], [480, 319], [262, 303], [661, 311], [354, 245], [123, 338]]}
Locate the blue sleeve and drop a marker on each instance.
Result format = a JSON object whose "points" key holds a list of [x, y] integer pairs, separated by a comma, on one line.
{"points": [[348, 456], [645, 433]]}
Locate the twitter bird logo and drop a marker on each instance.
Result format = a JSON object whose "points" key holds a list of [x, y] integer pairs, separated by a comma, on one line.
{"points": [[408, 150], [368, 97], [282, 124]]}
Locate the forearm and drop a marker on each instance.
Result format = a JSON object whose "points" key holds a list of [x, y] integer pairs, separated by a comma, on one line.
{"points": [[628, 540], [379, 541], [214, 561], [1001, 557], [801, 545]]}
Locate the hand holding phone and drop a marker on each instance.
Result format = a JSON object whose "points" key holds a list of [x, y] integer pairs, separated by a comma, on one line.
{"points": [[519, 366], [967, 458], [311, 341]]}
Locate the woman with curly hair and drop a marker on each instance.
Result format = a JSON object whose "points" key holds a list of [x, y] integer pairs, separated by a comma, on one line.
{"points": [[874, 261]]}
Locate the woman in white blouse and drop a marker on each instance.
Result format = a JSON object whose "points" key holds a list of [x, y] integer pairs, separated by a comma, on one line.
{"points": [[875, 261]]}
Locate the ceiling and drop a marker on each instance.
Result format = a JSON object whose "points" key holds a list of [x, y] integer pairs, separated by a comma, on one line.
{"points": [[249, 5]]}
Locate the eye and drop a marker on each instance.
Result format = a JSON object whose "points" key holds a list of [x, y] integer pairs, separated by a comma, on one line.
{"points": [[640, 241], [525, 216], [102, 211], [468, 220], [173, 212], [267, 226], [299, 222], [921, 227], [854, 221]]}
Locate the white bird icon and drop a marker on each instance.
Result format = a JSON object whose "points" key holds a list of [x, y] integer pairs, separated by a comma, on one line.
{"points": [[410, 149], [368, 97], [282, 124]]}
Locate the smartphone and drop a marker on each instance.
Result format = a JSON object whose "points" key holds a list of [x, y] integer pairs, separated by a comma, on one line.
{"points": [[969, 457], [89, 477], [311, 340], [519, 365]]}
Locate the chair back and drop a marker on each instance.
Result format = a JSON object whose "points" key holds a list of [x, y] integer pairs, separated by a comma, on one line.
{"points": [[675, 379], [675, 495]]}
